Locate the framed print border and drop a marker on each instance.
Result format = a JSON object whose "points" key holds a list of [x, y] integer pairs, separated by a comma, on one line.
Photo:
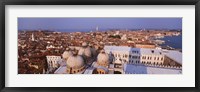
{"points": [[98, 2]]}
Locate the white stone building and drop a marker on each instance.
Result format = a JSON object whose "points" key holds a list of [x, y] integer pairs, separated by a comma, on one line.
{"points": [[123, 54], [53, 61]]}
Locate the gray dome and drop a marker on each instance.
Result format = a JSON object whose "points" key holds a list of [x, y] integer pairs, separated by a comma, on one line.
{"points": [[66, 54], [103, 58], [85, 52], [75, 62]]}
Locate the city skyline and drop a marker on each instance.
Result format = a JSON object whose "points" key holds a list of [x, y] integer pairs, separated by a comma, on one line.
{"points": [[88, 24]]}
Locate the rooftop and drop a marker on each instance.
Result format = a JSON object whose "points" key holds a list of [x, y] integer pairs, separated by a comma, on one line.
{"points": [[141, 69], [174, 55]]}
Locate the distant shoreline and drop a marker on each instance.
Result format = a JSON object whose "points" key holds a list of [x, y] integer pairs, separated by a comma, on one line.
{"points": [[101, 30]]}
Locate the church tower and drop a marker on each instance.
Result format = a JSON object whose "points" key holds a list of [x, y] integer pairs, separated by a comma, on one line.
{"points": [[32, 37], [97, 28]]}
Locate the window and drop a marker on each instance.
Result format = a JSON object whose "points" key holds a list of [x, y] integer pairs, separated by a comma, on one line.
{"points": [[162, 58], [126, 55], [158, 58]]}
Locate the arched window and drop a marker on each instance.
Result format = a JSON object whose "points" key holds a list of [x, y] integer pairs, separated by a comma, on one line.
{"points": [[126, 55], [158, 58]]}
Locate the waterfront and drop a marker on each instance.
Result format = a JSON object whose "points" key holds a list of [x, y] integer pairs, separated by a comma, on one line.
{"points": [[172, 41]]}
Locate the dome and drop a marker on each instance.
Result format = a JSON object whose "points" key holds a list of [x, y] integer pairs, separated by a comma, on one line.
{"points": [[75, 62], [67, 54], [103, 58], [85, 51]]}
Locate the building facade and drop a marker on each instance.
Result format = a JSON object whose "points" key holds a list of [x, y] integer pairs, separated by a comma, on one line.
{"points": [[53, 61]]}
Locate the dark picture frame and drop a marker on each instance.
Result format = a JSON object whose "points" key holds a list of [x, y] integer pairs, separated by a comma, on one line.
{"points": [[97, 2]]}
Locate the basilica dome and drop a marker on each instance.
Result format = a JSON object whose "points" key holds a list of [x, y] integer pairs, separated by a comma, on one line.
{"points": [[85, 50], [103, 58], [75, 62], [66, 54]]}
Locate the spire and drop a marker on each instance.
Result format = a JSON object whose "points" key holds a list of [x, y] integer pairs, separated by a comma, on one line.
{"points": [[97, 28], [32, 37]]}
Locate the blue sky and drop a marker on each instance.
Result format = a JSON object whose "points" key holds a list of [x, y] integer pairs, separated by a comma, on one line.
{"points": [[102, 23]]}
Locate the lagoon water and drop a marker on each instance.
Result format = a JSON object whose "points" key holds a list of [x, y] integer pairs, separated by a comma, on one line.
{"points": [[173, 41]]}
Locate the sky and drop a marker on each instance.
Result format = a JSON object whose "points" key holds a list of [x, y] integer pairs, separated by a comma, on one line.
{"points": [[102, 23]]}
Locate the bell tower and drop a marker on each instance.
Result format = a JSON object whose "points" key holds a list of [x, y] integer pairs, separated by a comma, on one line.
{"points": [[97, 28], [32, 37]]}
